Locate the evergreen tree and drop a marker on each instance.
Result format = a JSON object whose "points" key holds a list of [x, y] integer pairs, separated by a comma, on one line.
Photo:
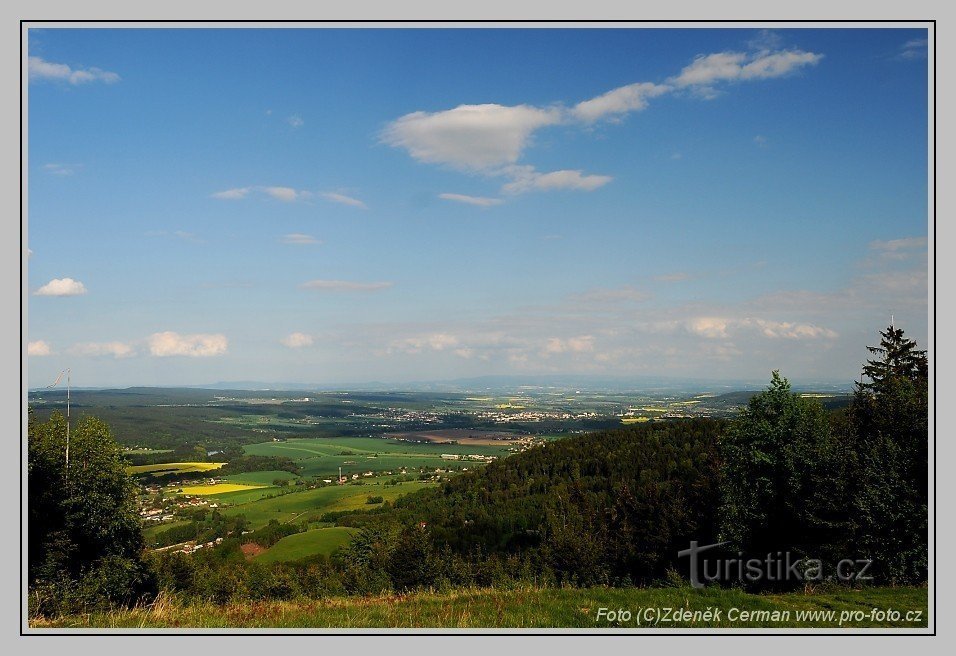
{"points": [[889, 437], [899, 359]]}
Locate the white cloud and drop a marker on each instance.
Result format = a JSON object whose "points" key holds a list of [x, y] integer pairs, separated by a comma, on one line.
{"points": [[54, 168], [344, 200], [470, 137], [433, 342], [40, 69], [709, 327], [899, 249], [295, 121], [789, 330], [623, 100], [232, 194], [345, 286], [297, 340], [579, 344], [299, 239], [914, 49], [490, 139], [169, 343], [286, 194], [39, 349], [708, 70], [61, 287], [760, 140], [471, 200], [99, 349], [528, 179], [721, 328]]}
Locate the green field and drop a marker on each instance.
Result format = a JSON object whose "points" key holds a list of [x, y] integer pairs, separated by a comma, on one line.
{"points": [[221, 488], [313, 503], [301, 545], [174, 468], [323, 457], [259, 477], [837, 610]]}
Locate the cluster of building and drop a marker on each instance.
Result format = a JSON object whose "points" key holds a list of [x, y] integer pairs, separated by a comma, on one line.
{"points": [[532, 416], [191, 547], [470, 456]]}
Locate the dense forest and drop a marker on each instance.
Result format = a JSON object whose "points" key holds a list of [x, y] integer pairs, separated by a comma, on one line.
{"points": [[607, 508]]}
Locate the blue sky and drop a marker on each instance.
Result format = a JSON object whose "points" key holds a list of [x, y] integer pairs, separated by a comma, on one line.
{"points": [[345, 205]]}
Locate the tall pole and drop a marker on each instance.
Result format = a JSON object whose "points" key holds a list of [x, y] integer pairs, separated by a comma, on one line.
{"points": [[55, 383], [67, 422]]}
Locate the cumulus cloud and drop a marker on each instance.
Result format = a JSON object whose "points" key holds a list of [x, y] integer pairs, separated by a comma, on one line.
{"points": [[39, 349], [789, 330], [490, 139], [721, 328], [345, 286], [169, 343], [614, 103], [295, 121], [41, 69], [579, 344], [61, 287], [297, 340], [528, 179], [709, 327], [469, 137], [471, 200], [100, 349], [344, 200], [418, 343], [299, 239]]}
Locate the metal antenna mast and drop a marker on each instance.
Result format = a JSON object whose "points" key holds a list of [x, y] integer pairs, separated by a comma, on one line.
{"points": [[55, 383]]}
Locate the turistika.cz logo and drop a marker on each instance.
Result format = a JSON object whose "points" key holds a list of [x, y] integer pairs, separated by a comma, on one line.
{"points": [[775, 567]]}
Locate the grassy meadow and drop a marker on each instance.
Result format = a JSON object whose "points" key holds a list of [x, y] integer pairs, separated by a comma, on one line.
{"points": [[536, 608], [309, 505], [302, 545]]}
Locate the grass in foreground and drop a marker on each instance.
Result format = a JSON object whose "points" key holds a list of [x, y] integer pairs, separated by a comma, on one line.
{"points": [[536, 608]]}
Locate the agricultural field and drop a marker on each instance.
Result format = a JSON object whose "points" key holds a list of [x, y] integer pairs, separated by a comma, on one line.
{"points": [[259, 477], [174, 468], [218, 488], [309, 543], [357, 455], [310, 505]]}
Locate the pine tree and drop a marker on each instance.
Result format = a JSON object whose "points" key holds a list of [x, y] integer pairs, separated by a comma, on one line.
{"points": [[889, 441], [898, 358]]}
